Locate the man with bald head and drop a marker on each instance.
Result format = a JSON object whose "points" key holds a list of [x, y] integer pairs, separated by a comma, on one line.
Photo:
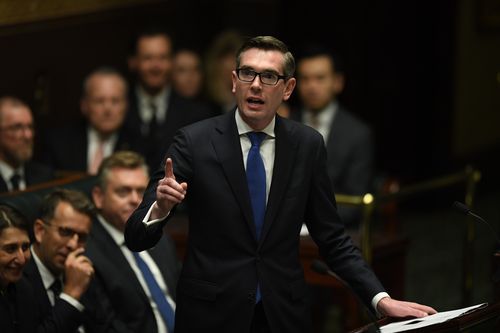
{"points": [[17, 133], [83, 146]]}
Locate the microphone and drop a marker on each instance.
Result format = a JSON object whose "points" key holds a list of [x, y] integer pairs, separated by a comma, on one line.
{"points": [[320, 267], [462, 208]]}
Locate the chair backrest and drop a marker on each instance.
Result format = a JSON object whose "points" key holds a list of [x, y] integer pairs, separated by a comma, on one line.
{"points": [[28, 202]]}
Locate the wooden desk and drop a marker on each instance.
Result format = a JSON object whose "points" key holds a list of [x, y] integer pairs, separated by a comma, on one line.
{"points": [[389, 255]]}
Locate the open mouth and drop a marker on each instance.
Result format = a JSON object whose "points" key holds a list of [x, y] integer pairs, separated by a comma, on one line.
{"points": [[255, 101]]}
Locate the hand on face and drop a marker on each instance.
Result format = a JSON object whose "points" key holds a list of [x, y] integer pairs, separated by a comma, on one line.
{"points": [[168, 193], [78, 272]]}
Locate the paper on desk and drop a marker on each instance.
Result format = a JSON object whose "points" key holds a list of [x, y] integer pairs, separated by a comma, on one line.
{"points": [[427, 321]]}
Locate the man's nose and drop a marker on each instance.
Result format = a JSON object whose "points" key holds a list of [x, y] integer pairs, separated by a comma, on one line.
{"points": [[20, 256], [73, 242]]}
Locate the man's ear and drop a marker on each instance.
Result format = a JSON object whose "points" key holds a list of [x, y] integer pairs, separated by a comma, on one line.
{"points": [[97, 196], [234, 77], [38, 230], [338, 83], [84, 106], [289, 86]]}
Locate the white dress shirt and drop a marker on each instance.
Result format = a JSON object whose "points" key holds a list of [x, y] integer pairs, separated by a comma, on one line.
{"points": [[93, 144], [323, 121], [119, 239], [7, 172], [144, 104]]}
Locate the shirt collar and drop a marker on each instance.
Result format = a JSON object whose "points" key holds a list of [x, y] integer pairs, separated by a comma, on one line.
{"points": [[7, 171], [244, 128], [116, 234], [47, 277], [324, 116], [158, 99], [94, 136]]}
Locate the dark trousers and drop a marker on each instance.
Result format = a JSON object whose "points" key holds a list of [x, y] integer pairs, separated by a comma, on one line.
{"points": [[259, 320]]}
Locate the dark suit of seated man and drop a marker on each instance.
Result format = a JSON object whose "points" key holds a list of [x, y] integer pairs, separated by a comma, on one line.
{"points": [[60, 273], [122, 179], [17, 170]]}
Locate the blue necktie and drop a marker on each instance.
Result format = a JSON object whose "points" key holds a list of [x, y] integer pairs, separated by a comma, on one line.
{"points": [[256, 179], [159, 297]]}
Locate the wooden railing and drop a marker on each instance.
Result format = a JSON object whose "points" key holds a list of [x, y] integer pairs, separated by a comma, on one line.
{"points": [[369, 202]]}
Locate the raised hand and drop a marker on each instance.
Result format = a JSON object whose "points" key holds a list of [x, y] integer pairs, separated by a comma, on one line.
{"points": [[168, 193], [78, 273]]}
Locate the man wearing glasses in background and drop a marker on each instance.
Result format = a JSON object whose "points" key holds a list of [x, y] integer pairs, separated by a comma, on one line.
{"points": [[17, 171], [59, 271]]}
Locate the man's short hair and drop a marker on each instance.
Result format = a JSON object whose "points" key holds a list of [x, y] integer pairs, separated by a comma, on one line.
{"points": [[152, 30], [269, 43], [313, 50], [76, 199], [124, 159], [104, 71], [11, 101]]}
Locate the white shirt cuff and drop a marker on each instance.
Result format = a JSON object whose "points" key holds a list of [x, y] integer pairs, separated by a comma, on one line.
{"points": [[377, 299], [79, 306], [146, 220]]}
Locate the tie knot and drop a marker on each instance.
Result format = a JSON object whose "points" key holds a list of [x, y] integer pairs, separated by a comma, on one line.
{"points": [[153, 106], [14, 180], [56, 287], [256, 138]]}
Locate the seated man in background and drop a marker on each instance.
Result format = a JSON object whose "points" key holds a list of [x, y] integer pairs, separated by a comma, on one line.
{"points": [[59, 272], [187, 73], [17, 133], [156, 110], [348, 140], [82, 147], [144, 302]]}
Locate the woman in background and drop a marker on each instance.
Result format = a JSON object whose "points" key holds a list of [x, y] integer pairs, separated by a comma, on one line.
{"points": [[17, 312]]}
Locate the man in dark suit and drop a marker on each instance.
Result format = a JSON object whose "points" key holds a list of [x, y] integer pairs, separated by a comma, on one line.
{"points": [[17, 170], [156, 111], [349, 141], [122, 180], [59, 272], [250, 180], [82, 146]]}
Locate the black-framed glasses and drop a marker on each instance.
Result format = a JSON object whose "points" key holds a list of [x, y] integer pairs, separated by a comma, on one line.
{"points": [[269, 78], [68, 233]]}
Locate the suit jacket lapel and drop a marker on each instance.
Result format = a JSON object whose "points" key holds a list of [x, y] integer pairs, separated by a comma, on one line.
{"points": [[3, 185], [32, 274], [106, 244], [158, 255], [227, 146], [283, 165]]}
